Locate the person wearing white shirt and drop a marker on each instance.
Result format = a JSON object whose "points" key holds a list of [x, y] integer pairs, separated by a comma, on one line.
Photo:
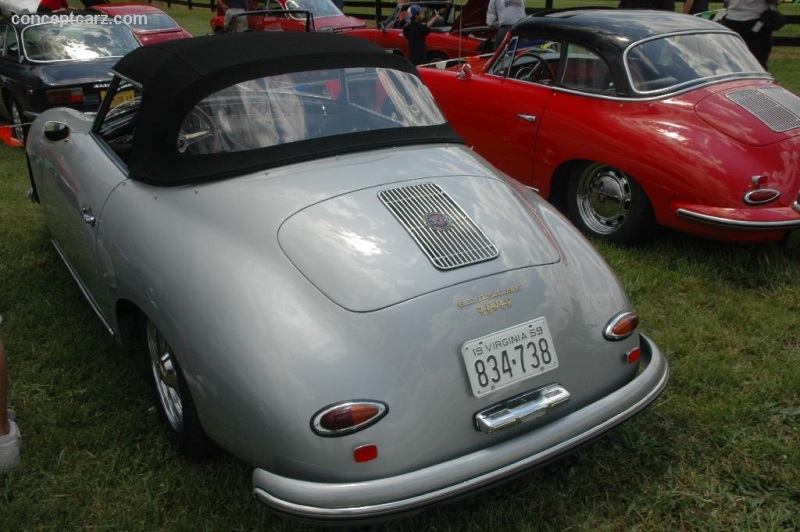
{"points": [[743, 17], [504, 14]]}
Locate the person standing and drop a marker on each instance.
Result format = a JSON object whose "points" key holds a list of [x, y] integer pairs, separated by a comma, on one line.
{"points": [[744, 17], [234, 7], [693, 7], [503, 14], [10, 440], [416, 32], [661, 5]]}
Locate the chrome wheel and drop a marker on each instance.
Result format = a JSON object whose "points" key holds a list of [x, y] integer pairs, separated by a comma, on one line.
{"points": [[165, 374], [603, 198], [16, 120], [606, 203]]}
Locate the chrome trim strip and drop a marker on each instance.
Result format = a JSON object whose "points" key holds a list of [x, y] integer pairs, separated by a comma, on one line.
{"points": [[522, 408], [83, 288], [314, 500], [737, 224]]}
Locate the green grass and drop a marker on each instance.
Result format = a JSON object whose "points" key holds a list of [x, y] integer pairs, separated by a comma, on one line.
{"points": [[720, 450]]}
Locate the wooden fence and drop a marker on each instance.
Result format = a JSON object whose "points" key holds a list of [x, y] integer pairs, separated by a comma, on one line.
{"points": [[382, 9]]}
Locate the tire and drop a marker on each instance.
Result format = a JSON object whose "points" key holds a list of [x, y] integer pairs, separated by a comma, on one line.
{"points": [[606, 203], [433, 57], [18, 131], [175, 403]]}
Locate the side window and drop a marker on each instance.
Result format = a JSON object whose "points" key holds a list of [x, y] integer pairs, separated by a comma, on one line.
{"points": [[12, 45], [3, 30], [586, 71], [117, 126], [529, 59]]}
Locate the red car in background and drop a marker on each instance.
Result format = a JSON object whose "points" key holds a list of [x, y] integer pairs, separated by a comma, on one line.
{"points": [[325, 17], [462, 33], [149, 24], [628, 121]]}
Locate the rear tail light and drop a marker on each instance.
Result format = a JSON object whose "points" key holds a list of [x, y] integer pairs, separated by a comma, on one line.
{"points": [[633, 356], [762, 196], [365, 453], [621, 326], [347, 417], [64, 96]]}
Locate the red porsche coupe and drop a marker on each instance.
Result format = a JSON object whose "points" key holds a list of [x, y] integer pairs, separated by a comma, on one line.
{"points": [[628, 120]]}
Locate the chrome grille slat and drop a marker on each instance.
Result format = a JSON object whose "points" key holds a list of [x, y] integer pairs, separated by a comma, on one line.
{"points": [[778, 109], [462, 243]]}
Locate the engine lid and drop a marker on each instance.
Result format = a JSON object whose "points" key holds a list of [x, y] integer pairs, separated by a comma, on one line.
{"points": [[376, 247], [754, 115]]}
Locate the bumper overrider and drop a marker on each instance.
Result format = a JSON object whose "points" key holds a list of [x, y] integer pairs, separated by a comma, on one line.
{"points": [[410, 492]]}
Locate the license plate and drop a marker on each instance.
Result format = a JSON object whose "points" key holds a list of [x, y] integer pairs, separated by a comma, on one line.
{"points": [[500, 359], [121, 96]]}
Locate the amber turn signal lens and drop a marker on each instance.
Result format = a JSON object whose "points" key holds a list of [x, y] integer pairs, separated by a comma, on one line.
{"points": [[621, 326], [347, 417]]}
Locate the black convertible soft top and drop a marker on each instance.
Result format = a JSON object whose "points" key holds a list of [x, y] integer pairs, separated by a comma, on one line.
{"points": [[174, 76]]}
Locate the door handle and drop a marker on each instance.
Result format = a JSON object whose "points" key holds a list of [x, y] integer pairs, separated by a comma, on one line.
{"points": [[88, 217], [529, 118]]}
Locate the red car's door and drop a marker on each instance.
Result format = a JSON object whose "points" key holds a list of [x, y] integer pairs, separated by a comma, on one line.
{"points": [[516, 111]]}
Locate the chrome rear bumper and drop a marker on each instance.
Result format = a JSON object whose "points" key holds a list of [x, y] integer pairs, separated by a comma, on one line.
{"points": [[409, 492]]}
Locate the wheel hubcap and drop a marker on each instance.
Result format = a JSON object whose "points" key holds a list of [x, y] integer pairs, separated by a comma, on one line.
{"points": [[166, 376], [16, 119], [604, 198]]}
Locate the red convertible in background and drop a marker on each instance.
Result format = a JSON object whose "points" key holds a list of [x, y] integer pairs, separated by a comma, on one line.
{"points": [[462, 33], [325, 17], [627, 120]]}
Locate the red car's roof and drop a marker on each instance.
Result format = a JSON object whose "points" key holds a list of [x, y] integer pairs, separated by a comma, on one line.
{"points": [[126, 9]]}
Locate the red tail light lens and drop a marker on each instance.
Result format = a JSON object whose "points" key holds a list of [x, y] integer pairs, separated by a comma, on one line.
{"points": [[347, 417], [762, 196], [621, 326], [633, 356], [365, 453], [64, 96]]}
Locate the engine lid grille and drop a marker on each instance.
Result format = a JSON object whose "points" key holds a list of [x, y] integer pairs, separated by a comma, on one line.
{"points": [[441, 228], [777, 108]]}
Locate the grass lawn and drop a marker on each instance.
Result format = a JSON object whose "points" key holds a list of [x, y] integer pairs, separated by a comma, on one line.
{"points": [[720, 450]]}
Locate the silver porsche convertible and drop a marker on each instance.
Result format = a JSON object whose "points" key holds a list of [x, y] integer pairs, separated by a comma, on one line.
{"points": [[326, 282]]}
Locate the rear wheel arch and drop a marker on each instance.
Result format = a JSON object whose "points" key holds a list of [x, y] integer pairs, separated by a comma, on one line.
{"points": [[436, 55], [173, 397], [559, 184]]}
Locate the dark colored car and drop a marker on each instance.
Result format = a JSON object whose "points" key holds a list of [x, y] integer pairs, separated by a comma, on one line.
{"points": [[52, 65]]}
